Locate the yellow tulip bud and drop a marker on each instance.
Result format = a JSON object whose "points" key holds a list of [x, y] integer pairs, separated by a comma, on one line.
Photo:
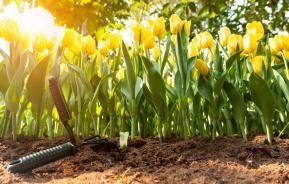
{"points": [[187, 25], [68, 38], [11, 30], [51, 43], [255, 28], [257, 64], [233, 41], [175, 23], [120, 74], [113, 41], [193, 50], [159, 27], [89, 45], [283, 41], [40, 42], [77, 44], [274, 46], [202, 67], [197, 41], [250, 43], [156, 52], [138, 30], [170, 80], [24, 41], [149, 41], [224, 34], [206, 40], [103, 48]]}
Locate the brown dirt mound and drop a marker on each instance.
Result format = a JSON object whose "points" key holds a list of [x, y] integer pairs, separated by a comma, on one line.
{"points": [[199, 160]]}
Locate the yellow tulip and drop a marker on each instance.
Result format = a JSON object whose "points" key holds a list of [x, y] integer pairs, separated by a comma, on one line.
{"points": [[138, 30], [196, 41], [11, 30], [149, 41], [206, 40], [24, 41], [103, 48], [193, 50], [113, 41], [283, 41], [40, 42], [257, 64], [159, 27], [156, 52], [255, 28], [175, 22], [202, 67], [274, 46], [224, 35], [250, 43], [170, 80], [120, 74], [233, 41], [51, 43], [68, 38], [89, 45], [186, 25], [77, 44]]}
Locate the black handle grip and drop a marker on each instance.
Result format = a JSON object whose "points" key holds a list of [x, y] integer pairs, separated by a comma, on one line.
{"points": [[41, 158]]}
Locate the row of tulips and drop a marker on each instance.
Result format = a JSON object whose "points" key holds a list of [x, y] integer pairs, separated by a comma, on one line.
{"points": [[167, 82]]}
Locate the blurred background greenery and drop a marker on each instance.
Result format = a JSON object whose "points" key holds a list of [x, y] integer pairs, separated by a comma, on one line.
{"points": [[204, 14]]}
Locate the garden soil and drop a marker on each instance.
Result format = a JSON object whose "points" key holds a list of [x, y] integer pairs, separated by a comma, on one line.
{"points": [[198, 160]]}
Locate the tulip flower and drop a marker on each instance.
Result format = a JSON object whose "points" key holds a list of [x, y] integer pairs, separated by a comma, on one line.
{"points": [[138, 30], [233, 41], [156, 52], [250, 42], [224, 35], [24, 41], [77, 44], [149, 41], [202, 67], [120, 74], [51, 43], [68, 38], [206, 40], [257, 62], [255, 28], [274, 46], [40, 42], [113, 41], [89, 45], [159, 27], [187, 27], [11, 30], [103, 48], [283, 41], [175, 23], [193, 50]]}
